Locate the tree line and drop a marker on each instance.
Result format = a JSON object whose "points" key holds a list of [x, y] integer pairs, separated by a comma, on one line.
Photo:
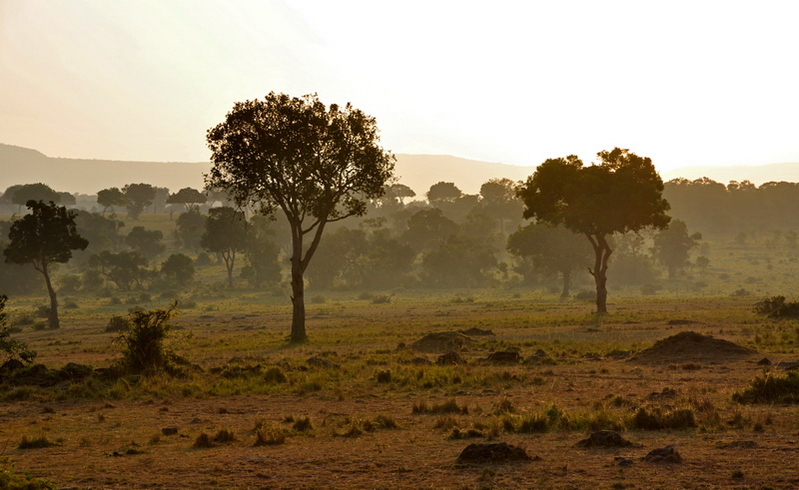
{"points": [[293, 179]]}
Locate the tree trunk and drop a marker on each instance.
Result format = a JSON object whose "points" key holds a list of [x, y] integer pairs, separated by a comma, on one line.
{"points": [[230, 260], [567, 282], [53, 314], [298, 334], [602, 253]]}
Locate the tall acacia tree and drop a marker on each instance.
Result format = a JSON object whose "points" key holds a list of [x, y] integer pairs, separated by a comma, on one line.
{"points": [[622, 193], [316, 164], [46, 236]]}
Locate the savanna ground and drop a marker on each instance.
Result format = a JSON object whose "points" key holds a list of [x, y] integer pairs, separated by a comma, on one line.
{"points": [[355, 408]]}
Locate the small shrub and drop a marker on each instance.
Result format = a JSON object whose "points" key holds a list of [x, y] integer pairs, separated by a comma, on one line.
{"points": [[113, 300], [302, 424], [385, 422], [12, 349], [777, 307], [534, 424], [771, 389], [657, 419], [381, 299], [11, 480], [274, 375], [38, 443], [202, 441], [450, 406], [117, 323], [143, 342], [384, 376], [224, 435], [269, 437]]}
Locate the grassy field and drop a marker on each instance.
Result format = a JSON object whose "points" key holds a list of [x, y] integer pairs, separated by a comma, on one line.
{"points": [[362, 406]]}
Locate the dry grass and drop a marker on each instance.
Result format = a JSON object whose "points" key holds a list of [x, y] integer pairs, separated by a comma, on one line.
{"points": [[350, 428]]}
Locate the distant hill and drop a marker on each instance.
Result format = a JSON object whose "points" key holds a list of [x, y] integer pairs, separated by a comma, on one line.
{"points": [[25, 166]]}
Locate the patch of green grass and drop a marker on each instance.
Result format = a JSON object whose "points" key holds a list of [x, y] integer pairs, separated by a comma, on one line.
{"points": [[770, 389]]}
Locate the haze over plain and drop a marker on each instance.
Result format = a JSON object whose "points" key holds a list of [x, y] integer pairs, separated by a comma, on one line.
{"points": [[685, 83]]}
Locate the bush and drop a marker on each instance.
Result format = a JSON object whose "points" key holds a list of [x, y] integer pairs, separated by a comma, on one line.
{"points": [[12, 349], [143, 342], [771, 389], [12, 481], [776, 307], [657, 419], [117, 323]]}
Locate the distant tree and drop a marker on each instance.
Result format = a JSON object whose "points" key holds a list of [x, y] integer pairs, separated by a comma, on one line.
{"points": [[499, 200], [188, 197], [427, 228], [400, 192], [44, 237], [225, 234], [146, 242], [35, 192], [178, 268], [101, 232], [138, 197], [261, 253], [159, 200], [458, 262], [67, 199], [111, 197], [317, 165], [125, 269], [552, 250], [443, 191], [7, 197], [190, 228], [622, 193], [673, 246]]}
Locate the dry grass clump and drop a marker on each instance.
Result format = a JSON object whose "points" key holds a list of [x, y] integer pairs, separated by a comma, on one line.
{"points": [[38, 443], [771, 389], [450, 406], [269, 436]]}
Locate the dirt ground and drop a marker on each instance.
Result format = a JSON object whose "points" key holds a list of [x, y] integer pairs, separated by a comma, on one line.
{"points": [[118, 444]]}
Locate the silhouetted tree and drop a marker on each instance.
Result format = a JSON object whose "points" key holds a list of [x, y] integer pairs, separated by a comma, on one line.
{"points": [[190, 228], [34, 192], [622, 193], [108, 198], [552, 249], [225, 234], [146, 242], [178, 268], [443, 191], [101, 232], [44, 237], [499, 200], [138, 197], [427, 228], [261, 253], [316, 164], [673, 246], [188, 197], [125, 269]]}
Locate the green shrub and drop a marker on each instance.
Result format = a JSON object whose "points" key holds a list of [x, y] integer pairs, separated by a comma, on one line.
{"points": [[771, 389], [117, 323], [274, 375], [143, 342], [12, 349]]}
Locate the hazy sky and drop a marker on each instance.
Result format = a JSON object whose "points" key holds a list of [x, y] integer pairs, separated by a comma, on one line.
{"points": [[683, 82]]}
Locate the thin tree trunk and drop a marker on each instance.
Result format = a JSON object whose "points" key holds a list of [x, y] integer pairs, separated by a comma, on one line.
{"points": [[298, 334], [567, 282], [53, 314], [602, 253]]}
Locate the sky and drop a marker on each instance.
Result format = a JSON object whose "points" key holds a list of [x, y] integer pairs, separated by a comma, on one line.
{"points": [[683, 82]]}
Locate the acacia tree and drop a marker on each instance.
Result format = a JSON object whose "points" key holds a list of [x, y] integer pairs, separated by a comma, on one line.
{"points": [[188, 197], [552, 249], [46, 236], [673, 246], [108, 198], [622, 193], [225, 234], [316, 164], [138, 197]]}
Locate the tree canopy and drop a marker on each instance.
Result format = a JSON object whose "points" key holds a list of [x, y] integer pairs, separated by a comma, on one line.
{"points": [[225, 234], [138, 197], [622, 193], [188, 197], [316, 164], [46, 236], [108, 198]]}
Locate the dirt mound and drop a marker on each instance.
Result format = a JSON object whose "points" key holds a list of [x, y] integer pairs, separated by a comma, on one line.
{"points": [[496, 453], [692, 347], [442, 342], [604, 438]]}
